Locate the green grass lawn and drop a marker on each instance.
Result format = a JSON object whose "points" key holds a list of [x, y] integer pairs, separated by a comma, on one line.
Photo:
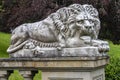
{"points": [[4, 43], [112, 70], [114, 50]]}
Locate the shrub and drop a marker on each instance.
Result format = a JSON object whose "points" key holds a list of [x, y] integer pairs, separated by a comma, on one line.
{"points": [[113, 69], [15, 76]]}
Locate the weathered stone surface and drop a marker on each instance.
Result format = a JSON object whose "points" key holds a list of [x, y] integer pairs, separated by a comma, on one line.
{"points": [[53, 52], [97, 74]]}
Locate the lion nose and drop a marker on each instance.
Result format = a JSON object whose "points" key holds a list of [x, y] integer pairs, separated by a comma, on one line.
{"points": [[87, 24], [88, 27]]}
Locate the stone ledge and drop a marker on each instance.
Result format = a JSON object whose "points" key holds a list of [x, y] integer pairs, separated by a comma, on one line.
{"points": [[64, 63], [84, 58], [54, 52]]}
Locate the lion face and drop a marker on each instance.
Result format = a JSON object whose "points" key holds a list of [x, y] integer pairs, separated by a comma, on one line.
{"points": [[87, 24]]}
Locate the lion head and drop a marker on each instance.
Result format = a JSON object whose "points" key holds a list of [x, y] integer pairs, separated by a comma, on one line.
{"points": [[86, 20]]}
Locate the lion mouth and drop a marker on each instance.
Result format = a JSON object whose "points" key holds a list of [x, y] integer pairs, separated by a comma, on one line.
{"points": [[87, 31]]}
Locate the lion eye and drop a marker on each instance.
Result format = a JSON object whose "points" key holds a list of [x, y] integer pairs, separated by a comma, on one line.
{"points": [[91, 21], [81, 21]]}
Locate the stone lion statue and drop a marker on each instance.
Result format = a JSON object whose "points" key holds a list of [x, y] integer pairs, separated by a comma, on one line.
{"points": [[68, 27]]}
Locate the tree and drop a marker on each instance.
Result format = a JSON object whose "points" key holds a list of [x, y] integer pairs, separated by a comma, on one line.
{"points": [[115, 20]]}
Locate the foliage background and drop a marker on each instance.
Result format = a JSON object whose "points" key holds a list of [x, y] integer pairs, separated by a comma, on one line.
{"points": [[17, 12]]}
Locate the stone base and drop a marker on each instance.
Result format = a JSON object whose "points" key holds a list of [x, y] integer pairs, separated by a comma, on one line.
{"points": [[80, 68], [54, 52], [59, 68]]}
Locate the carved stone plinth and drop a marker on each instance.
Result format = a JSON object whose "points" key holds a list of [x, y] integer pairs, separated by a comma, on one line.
{"points": [[59, 68], [79, 68]]}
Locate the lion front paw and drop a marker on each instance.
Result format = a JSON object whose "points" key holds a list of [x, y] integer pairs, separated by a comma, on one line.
{"points": [[61, 45], [103, 46]]}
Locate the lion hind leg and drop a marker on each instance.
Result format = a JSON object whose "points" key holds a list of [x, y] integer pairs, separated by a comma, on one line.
{"points": [[18, 38]]}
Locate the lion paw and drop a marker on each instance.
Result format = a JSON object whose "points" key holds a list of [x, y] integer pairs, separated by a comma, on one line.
{"points": [[103, 46]]}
